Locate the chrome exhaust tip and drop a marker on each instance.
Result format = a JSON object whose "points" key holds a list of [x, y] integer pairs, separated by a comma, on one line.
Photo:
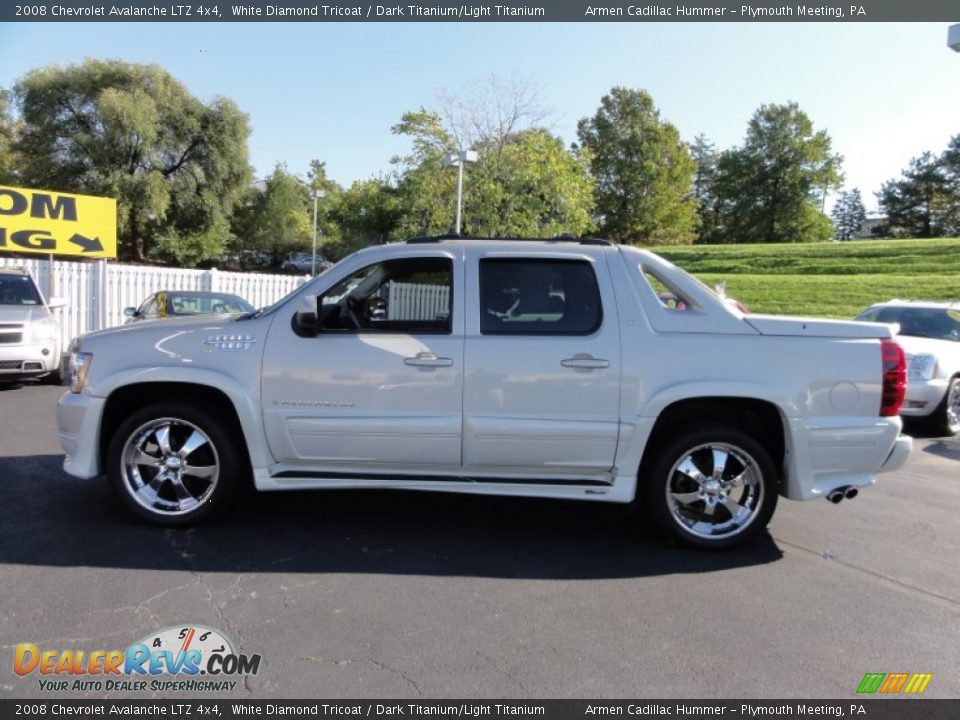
{"points": [[835, 496], [851, 493]]}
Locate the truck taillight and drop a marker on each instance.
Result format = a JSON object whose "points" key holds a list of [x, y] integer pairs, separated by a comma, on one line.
{"points": [[894, 378]]}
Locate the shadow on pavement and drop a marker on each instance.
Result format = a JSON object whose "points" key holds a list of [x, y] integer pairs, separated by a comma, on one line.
{"points": [[949, 449], [51, 519]]}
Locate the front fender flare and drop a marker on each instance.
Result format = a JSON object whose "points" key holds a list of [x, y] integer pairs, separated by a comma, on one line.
{"points": [[245, 402]]}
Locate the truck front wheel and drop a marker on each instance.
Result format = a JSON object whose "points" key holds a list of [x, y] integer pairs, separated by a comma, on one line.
{"points": [[173, 464], [711, 487]]}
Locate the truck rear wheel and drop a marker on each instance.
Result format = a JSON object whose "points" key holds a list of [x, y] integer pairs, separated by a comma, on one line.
{"points": [[711, 487], [172, 464]]}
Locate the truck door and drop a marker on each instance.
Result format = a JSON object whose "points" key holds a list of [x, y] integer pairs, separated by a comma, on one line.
{"points": [[542, 363], [380, 386]]}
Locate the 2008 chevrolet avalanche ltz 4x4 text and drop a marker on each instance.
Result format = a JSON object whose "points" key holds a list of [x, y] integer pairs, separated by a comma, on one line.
{"points": [[507, 367]]}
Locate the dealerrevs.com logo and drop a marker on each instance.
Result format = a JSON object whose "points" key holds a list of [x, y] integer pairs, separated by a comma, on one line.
{"points": [[188, 658]]}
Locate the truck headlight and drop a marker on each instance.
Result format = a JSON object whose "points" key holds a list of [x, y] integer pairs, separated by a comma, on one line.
{"points": [[44, 330], [921, 367], [78, 369]]}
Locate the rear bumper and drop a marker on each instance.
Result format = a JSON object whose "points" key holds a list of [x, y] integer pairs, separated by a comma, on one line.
{"points": [[78, 427], [826, 453], [898, 454]]}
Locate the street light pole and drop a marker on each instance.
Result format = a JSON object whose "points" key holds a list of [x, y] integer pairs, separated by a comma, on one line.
{"points": [[464, 156], [313, 259], [459, 195]]}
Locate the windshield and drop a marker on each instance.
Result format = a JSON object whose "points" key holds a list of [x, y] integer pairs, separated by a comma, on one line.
{"points": [[18, 290], [936, 323], [286, 297], [189, 304]]}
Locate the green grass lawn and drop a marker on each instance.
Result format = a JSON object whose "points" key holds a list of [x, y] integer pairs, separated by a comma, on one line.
{"points": [[826, 280]]}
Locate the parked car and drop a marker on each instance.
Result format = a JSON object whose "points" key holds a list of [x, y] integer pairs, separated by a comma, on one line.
{"points": [[302, 262], [170, 303], [930, 335], [29, 332], [543, 369]]}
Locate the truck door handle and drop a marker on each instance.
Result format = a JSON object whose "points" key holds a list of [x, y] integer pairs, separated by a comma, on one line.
{"points": [[428, 360], [585, 361]]}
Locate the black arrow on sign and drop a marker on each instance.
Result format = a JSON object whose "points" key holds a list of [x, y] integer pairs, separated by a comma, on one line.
{"points": [[88, 244]]}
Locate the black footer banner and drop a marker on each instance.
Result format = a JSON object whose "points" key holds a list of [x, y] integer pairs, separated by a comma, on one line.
{"points": [[869, 709]]}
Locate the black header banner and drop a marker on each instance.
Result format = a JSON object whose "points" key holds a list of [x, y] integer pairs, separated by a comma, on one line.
{"points": [[861, 709], [500, 11]]}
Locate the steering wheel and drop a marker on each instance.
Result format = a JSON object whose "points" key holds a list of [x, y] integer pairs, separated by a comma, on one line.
{"points": [[354, 312]]}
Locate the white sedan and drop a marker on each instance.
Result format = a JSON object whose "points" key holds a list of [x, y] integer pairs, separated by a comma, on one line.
{"points": [[930, 337]]}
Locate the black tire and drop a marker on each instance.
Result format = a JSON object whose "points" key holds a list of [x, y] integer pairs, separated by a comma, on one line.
{"points": [[689, 521], [58, 376], [221, 450], [945, 420]]}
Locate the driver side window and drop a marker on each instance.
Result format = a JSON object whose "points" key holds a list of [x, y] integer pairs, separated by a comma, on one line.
{"points": [[397, 296]]}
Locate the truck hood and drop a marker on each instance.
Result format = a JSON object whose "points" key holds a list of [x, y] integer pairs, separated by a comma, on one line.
{"points": [[151, 327], [817, 327], [22, 313]]}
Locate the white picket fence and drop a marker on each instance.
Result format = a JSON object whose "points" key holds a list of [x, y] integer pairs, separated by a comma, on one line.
{"points": [[410, 301], [97, 292]]}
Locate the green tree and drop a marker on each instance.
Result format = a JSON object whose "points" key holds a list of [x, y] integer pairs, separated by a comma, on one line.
{"points": [[771, 189], [923, 202], [425, 188], [176, 165], [848, 214], [705, 155], [6, 139], [276, 217], [643, 172], [531, 186], [525, 183], [328, 198], [951, 167], [366, 213]]}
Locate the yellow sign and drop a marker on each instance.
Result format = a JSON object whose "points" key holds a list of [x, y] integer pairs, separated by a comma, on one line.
{"points": [[45, 221]]}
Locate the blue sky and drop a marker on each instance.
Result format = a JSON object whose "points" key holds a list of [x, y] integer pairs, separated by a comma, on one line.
{"points": [[885, 92]]}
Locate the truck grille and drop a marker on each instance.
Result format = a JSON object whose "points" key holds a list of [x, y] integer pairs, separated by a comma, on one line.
{"points": [[9, 338]]}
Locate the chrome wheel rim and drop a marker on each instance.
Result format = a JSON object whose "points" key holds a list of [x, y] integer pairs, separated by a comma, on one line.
{"points": [[715, 491], [170, 466], [953, 407]]}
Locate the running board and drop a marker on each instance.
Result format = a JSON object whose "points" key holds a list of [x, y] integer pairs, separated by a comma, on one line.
{"points": [[395, 477], [620, 490]]}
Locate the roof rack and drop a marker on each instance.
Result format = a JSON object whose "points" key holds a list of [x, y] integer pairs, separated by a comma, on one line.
{"points": [[556, 238]]}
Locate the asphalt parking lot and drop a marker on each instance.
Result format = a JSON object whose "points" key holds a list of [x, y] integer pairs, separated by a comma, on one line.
{"points": [[352, 594]]}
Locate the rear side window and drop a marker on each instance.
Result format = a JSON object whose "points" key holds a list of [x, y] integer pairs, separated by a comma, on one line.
{"points": [[538, 297]]}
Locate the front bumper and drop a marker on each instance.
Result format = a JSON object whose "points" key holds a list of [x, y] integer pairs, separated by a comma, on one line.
{"points": [[28, 360], [923, 396], [78, 427]]}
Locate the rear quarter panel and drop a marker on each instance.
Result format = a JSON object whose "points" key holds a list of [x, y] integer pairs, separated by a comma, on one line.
{"points": [[827, 390]]}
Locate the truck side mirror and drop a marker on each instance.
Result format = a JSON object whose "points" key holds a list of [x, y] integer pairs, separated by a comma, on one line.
{"points": [[129, 312], [305, 320]]}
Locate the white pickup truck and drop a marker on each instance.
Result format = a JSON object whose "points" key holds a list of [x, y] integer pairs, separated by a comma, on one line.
{"points": [[551, 369]]}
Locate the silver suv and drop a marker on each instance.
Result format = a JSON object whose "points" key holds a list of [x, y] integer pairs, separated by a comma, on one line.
{"points": [[29, 333]]}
